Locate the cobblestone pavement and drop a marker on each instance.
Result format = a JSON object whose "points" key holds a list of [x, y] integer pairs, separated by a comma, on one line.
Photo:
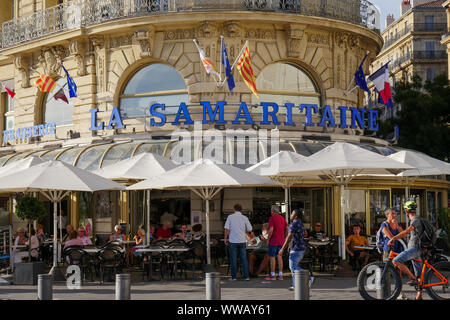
{"points": [[323, 288]]}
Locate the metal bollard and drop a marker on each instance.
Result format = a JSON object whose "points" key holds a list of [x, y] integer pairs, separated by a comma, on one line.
{"points": [[45, 287], [123, 286], [301, 285], [213, 291], [384, 289]]}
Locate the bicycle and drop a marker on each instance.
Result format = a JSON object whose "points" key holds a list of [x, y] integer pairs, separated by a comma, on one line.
{"points": [[381, 280]]}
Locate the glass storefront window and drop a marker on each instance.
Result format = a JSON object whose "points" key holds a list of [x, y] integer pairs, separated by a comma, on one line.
{"points": [[155, 83], [285, 83], [118, 152], [90, 158], [379, 202], [431, 207], [4, 211], [318, 208], [354, 210], [86, 211], [398, 199], [58, 111]]}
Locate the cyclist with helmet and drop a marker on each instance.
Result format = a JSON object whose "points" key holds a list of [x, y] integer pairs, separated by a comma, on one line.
{"points": [[414, 251]]}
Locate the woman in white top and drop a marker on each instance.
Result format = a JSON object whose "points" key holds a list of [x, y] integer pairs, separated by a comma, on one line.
{"points": [[21, 240]]}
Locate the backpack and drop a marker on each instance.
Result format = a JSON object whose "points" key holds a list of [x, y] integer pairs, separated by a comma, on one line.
{"points": [[380, 239], [427, 238]]}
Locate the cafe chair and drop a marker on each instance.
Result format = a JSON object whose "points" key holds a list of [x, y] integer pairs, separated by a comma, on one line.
{"points": [[194, 259], [79, 257], [155, 261], [174, 260], [109, 261], [308, 259]]}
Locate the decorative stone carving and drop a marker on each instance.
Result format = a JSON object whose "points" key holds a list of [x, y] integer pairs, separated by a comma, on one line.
{"points": [[346, 40], [232, 30], [120, 41], [51, 59], [319, 39], [145, 38], [262, 34], [294, 38], [207, 30], [179, 34], [22, 65], [76, 48], [98, 44]]}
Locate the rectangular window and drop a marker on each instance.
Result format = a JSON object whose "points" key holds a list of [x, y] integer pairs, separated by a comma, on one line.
{"points": [[430, 48], [429, 23], [430, 74]]}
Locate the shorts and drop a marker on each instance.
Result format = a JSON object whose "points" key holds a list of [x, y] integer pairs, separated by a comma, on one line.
{"points": [[273, 250]]}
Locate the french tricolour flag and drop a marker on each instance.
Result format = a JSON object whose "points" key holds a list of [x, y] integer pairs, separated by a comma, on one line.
{"points": [[381, 80]]}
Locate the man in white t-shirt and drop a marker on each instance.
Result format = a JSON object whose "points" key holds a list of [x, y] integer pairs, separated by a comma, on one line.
{"points": [[237, 227]]}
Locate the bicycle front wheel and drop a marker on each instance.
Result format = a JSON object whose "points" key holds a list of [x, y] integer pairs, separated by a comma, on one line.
{"points": [[376, 283], [440, 277]]}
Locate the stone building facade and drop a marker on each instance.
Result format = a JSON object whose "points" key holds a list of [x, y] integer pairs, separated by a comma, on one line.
{"points": [[110, 48]]}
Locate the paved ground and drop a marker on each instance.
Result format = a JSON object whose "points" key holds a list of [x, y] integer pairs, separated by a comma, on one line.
{"points": [[323, 288]]}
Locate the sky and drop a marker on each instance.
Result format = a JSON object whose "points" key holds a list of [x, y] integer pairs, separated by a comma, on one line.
{"points": [[386, 7]]}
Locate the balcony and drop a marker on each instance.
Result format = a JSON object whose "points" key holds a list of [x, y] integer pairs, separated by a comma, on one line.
{"points": [[416, 27], [430, 55], [78, 14]]}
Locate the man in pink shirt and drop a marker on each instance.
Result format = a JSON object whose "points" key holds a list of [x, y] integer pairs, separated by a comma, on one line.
{"points": [[277, 234]]}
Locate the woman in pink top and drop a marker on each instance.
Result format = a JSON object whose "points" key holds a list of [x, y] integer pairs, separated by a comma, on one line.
{"points": [[82, 236], [73, 240]]}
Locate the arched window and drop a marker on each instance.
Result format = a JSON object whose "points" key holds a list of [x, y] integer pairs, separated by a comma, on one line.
{"points": [[57, 110], [284, 83], [155, 83]]}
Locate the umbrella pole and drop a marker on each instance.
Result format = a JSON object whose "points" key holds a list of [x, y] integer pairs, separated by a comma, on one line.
{"points": [[208, 244], [342, 222], [148, 217], [55, 271], [286, 202]]}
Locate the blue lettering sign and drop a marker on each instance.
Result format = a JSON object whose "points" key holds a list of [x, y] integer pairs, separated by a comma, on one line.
{"points": [[248, 118], [309, 108], [357, 117], [94, 121], [327, 116], [156, 114], [183, 113], [115, 121], [273, 113], [289, 121], [212, 115]]}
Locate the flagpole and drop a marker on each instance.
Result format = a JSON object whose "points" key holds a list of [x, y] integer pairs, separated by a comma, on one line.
{"points": [[239, 55], [221, 54]]}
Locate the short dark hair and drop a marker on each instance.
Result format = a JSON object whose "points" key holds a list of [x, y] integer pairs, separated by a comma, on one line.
{"points": [[237, 207], [197, 227]]}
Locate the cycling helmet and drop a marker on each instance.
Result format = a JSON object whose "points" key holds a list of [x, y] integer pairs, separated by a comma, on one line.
{"points": [[410, 206]]}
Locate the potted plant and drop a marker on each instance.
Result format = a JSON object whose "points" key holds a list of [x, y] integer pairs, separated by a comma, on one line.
{"points": [[29, 209]]}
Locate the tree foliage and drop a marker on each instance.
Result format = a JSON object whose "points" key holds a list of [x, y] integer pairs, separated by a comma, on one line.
{"points": [[424, 118], [30, 208]]}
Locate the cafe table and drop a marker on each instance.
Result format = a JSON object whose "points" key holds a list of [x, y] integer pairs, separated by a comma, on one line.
{"points": [[365, 247], [318, 243], [163, 250]]}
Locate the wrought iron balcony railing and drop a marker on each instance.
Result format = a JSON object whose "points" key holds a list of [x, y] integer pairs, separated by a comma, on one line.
{"points": [[431, 55], [78, 14]]}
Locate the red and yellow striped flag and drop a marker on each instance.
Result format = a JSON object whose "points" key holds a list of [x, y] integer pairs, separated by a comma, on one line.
{"points": [[45, 83], [244, 67]]}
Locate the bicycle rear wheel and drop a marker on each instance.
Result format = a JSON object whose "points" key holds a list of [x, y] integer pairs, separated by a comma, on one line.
{"points": [[442, 291], [372, 287]]}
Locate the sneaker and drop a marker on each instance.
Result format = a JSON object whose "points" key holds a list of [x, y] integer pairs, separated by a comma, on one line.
{"points": [[247, 279], [231, 279], [311, 280], [402, 296], [280, 278], [270, 278], [291, 288]]}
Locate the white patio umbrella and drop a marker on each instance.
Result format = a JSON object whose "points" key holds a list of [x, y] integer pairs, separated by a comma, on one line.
{"points": [[55, 180], [20, 165], [424, 164], [206, 179], [273, 165], [341, 162], [139, 167]]}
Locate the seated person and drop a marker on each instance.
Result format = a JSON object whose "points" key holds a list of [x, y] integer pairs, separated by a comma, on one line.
{"points": [[82, 236], [260, 253], [152, 233], [117, 236], [73, 240], [197, 233], [140, 240], [21, 240], [356, 240], [317, 233], [45, 248], [40, 234], [69, 229], [34, 244], [184, 234], [164, 232]]}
